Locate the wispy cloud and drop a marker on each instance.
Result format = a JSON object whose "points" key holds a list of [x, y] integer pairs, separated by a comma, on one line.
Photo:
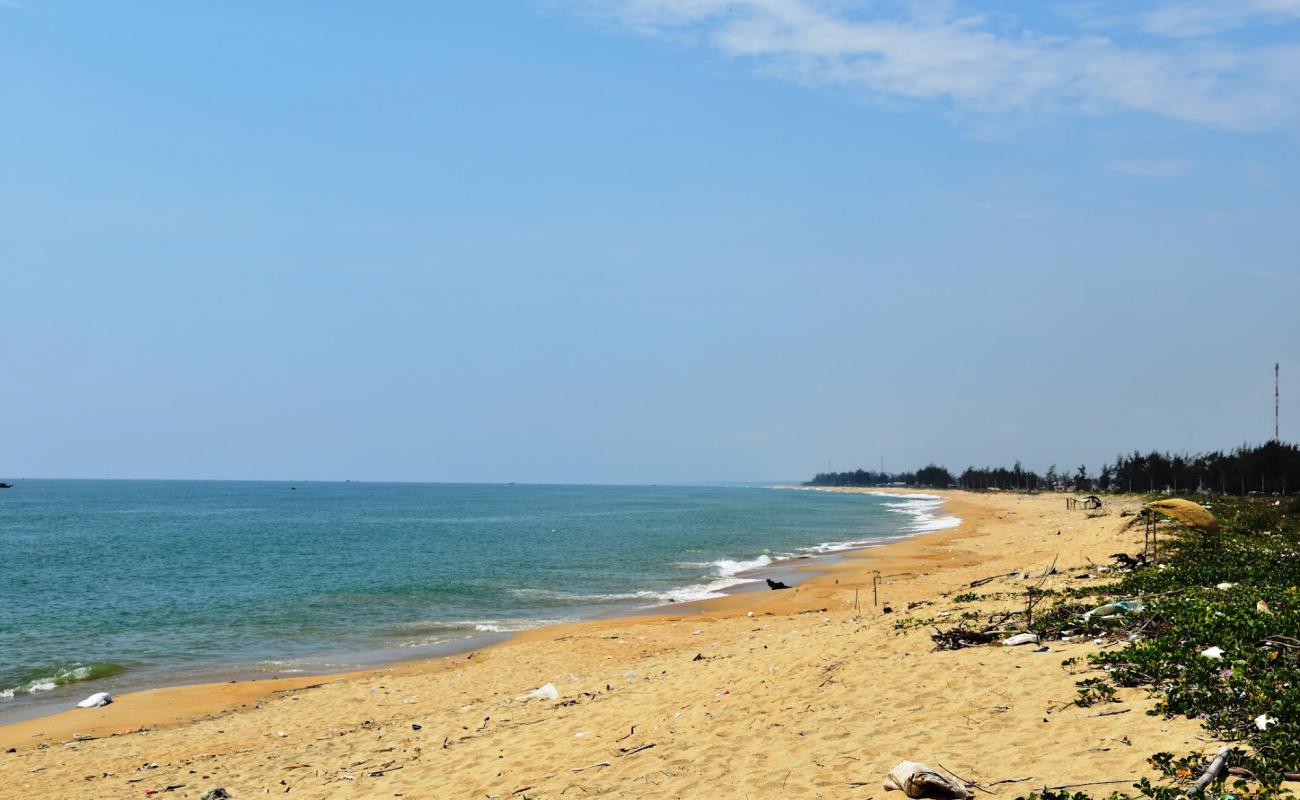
{"points": [[1210, 17], [989, 63]]}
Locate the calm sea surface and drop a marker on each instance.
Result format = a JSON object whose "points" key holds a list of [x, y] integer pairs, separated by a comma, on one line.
{"points": [[120, 584]]}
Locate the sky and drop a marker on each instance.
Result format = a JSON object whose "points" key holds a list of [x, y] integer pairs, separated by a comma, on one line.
{"points": [[641, 241]]}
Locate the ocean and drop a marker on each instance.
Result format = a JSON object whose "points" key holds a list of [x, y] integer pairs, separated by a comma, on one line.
{"points": [[116, 585]]}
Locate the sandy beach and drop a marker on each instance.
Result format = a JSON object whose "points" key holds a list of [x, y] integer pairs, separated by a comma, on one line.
{"points": [[813, 692]]}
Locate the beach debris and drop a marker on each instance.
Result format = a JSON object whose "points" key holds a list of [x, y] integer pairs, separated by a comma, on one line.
{"points": [[774, 585], [919, 780], [217, 793], [1019, 639], [1126, 561], [415, 726], [544, 692], [1263, 721], [627, 751], [591, 766], [1113, 610], [1212, 652], [959, 637], [1225, 586], [1211, 772], [96, 700], [990, 579]]}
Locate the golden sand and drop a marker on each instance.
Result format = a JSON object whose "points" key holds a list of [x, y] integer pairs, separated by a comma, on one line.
{"points": [[807, 693]]}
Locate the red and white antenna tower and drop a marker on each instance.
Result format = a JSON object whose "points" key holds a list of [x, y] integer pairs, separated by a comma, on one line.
{"points": [[1276, 437]]}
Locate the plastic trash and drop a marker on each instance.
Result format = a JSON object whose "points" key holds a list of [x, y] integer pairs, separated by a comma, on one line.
{"points": [[1111, 610], [96, 700], [1020, 638], [547, 692], [919, 780], [1263, 721], [1212, 652], [1225, 586]]}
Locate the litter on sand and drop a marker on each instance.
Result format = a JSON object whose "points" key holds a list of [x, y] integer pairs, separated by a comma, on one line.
{"points": [[919, 780], [1020, 638], [546, 692], [96, 700], [1111, 610]]}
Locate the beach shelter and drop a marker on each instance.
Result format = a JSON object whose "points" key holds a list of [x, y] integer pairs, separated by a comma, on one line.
{"points": [[1188, 513]]}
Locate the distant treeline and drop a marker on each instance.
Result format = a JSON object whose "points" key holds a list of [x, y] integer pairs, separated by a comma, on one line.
{"points": [[1271, 468]]}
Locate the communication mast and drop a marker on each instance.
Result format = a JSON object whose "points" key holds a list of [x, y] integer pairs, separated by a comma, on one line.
{"points": [[1276, 436]]}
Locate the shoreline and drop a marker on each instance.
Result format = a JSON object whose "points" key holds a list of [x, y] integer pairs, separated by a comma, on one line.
{"points": [[173, 703], [735, 574], [799, 693]]}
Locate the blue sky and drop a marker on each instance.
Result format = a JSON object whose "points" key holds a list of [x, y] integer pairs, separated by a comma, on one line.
{"points": [[641, 240]]}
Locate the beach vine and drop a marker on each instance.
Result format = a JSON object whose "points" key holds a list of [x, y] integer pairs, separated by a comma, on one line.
{"points": [[1214, 635]]}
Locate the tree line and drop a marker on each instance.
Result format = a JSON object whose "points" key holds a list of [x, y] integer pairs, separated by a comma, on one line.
{"points": [[1270, 468]]}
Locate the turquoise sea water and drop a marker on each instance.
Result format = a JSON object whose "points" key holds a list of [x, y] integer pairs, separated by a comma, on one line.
{"points": [[106, 585]]}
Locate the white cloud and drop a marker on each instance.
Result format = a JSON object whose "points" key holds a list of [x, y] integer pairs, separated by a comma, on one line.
{"points": [[989, 63], [1209, 17]]}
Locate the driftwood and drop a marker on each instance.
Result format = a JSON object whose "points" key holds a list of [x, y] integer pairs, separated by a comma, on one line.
{"points": [[1078, 785], [591, 766], [959, 637], [990, 579], [1126, 561], [1212, 772]]}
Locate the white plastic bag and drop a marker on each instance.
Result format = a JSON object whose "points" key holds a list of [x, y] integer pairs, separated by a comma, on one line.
{"points": [[547, 692], [96, 700], [1020, 638]]}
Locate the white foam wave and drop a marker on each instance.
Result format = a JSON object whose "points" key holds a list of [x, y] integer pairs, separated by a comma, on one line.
{"points": [[923, 509], [48, 683], [448, 630], [728, 568], [826, 548]]}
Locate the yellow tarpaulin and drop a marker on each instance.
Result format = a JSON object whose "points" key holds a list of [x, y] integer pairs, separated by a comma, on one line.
{"points": [[1188, 513]]}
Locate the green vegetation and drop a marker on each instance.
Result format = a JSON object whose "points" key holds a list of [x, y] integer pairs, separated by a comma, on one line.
{"points": [[1236, 591], [1270, 468]]}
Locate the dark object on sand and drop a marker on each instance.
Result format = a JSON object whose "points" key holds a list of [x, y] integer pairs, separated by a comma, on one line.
{"points": [[774, 585], [219, 793], [959, 637], [1126, 561]]}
